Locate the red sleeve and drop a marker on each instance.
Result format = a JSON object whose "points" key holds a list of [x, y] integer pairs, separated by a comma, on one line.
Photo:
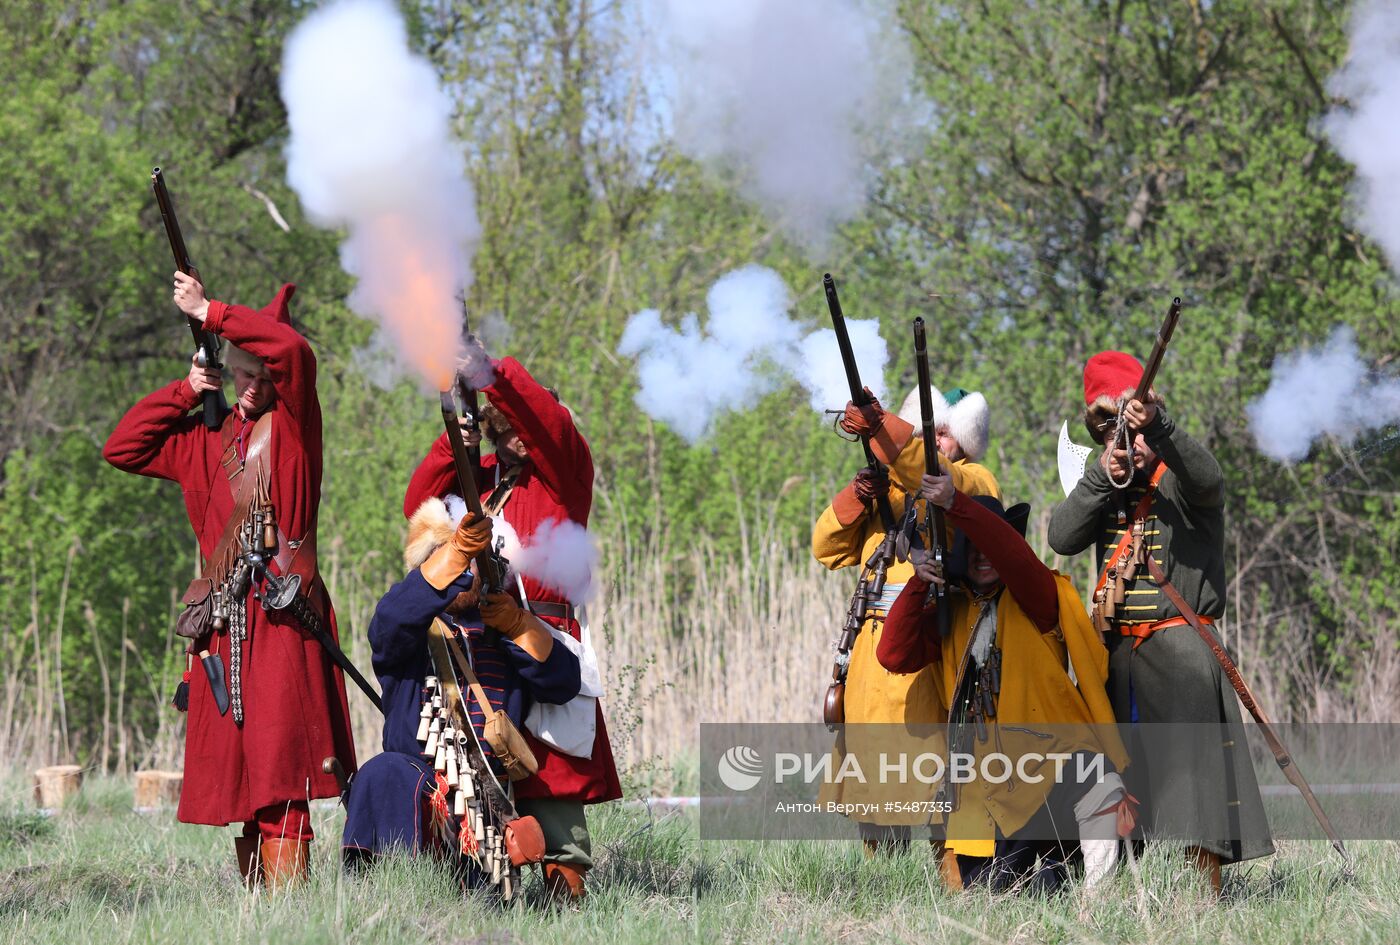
{"points": [[435, 476], [156, 436], [558, 451], [290, 362], [1025, 575], [909, 641]]}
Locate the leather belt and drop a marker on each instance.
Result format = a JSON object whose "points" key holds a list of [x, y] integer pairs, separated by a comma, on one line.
{"points": [[549, 608], [1144, 630]]}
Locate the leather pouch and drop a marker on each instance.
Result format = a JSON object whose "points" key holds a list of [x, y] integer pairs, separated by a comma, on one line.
{"points": [[197, 619], [524, 841], [509, 746]]}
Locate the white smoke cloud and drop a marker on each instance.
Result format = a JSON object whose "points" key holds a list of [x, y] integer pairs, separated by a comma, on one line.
{"points": [[1321, 391], [1367, 133], [749, 345], [562, 555], [371, 150], [819, 367], [789, 94]]}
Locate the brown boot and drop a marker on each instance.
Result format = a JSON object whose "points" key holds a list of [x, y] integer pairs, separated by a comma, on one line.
{"points": [[249, 864], [285, 862], [949, 872], [563, 882], [1209, 865]]}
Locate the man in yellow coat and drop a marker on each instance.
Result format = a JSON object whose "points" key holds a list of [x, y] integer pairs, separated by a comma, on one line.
{"points": [[1003, 675], [883, 709]]}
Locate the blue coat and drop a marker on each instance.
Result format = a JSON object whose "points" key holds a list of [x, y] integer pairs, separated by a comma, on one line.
{"points": [[386, 807]]}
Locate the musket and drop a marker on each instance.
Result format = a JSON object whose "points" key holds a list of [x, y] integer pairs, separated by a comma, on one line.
{"points": [[869, 589], [490, 566], [467, 396], [206, 343], [872, 583], [938, 593], [858, 394], [1121, 436]]}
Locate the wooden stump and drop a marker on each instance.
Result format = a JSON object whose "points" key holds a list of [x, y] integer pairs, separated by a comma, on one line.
{"points": [[55, 784], [157, 789]]}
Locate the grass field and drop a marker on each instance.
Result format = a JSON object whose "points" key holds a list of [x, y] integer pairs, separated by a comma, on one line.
{"points": [[97, 872]]}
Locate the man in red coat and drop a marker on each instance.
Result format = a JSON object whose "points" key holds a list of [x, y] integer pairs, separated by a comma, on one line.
{"points": [[541, 474], [261, 763]]}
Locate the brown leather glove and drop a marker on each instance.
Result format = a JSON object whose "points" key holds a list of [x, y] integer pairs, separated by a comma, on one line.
{"points": [[869, 484], [446, 564], [863, 421], [521, 627], [854, 501]]}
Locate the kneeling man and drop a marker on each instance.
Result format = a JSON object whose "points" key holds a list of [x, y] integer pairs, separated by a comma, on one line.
{"points": [[398, 800]]}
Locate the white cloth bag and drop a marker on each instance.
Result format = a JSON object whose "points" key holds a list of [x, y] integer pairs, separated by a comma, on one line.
{"points": [[572, 727]]}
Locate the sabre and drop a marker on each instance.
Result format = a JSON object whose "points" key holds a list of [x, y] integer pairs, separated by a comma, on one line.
{"points": [[1232, 673]]}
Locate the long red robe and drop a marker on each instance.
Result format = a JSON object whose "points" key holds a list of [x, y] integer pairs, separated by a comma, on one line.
{"points": [[556, 484], [295, 711]]}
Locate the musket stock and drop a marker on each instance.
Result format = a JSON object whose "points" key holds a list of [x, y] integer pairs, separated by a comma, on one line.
{"points": [[206, 343]]}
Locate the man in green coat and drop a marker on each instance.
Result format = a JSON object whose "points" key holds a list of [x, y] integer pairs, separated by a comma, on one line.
{"points": [[1195, 778]]}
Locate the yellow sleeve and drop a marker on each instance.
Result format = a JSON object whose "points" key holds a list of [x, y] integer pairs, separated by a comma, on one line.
{"points": [[908, 467], [836, 545], [974, 479], [970, 478]]}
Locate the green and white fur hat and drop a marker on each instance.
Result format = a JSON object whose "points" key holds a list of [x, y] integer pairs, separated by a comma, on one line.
{"points": [[963, 412]]}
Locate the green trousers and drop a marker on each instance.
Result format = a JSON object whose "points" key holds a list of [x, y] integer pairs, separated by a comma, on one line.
{"points": [[565, 829]]}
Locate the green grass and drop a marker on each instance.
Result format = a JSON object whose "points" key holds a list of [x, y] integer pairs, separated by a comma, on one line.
{"points": [[98, 872]]}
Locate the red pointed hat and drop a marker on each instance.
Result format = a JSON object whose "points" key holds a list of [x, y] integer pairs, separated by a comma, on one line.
{"points": [[277, 308], [1108, 374]]}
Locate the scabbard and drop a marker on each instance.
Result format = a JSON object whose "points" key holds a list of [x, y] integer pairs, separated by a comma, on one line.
{"points": [[1232, 675], [218, 686]]}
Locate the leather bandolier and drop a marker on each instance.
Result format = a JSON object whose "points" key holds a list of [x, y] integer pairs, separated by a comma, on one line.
{"points": [[1121, 565], [253, 525]]}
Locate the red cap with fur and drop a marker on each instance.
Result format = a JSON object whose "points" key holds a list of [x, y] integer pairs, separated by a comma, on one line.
{"points": [[1108, 374]]}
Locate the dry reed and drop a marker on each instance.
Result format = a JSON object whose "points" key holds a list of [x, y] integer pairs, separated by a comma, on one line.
{"points": [[704, 636]]}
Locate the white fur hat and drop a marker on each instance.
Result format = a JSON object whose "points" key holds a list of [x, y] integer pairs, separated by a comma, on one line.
{"points": [[964, 413], [429, 528], [237, 358]]}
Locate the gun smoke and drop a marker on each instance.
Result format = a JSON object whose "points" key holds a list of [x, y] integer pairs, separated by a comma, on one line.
{"points": [[371, 150], [1367, 131], [1321, 391], [789, 95], [689, 376], [562, 554]]}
